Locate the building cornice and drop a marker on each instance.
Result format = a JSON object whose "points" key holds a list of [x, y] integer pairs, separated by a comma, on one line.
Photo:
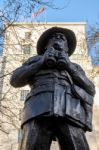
{"points": [[48, 23]]}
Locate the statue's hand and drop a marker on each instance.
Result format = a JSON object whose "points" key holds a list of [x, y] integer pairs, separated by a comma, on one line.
{"points": [[41, 60], [32, 60]]}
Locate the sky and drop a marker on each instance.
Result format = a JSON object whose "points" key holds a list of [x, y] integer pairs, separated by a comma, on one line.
{"points": [[73, 11], [70, 11]]}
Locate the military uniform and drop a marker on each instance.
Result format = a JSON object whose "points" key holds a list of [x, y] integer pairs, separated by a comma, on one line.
{"points": [[52, 105], [51, 95]]}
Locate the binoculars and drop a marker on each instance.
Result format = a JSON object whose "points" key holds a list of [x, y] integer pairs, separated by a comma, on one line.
{"points": [[55, 58]]}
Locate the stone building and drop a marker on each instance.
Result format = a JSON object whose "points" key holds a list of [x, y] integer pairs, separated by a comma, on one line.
{"points": [[19, 45]]}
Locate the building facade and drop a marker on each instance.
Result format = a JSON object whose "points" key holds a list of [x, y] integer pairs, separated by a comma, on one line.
{"points": [[19, 45]]}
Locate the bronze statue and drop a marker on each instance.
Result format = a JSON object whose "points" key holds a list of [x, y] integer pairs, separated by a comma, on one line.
{"points": [[59, 105]]}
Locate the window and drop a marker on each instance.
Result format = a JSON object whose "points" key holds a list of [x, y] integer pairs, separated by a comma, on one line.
{"points": [[19, 135], [27, 35], [20, 112], [23, 94], [27, 49]]}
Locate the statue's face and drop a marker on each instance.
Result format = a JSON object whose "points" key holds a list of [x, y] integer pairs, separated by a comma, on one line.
{"points": [[58, 41]]}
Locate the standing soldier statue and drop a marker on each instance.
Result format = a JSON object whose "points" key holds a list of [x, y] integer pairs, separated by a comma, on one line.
{"points": [[59, 105]]}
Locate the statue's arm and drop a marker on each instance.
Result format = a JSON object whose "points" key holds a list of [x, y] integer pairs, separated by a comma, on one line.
{"points": [[20, 76], [79, 77]]}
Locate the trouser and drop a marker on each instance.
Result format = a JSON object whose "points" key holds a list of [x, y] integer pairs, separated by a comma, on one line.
{"points": [[39, 133]]}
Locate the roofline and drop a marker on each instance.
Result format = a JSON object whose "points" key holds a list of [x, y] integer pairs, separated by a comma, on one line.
{"points": [[48, 23]]}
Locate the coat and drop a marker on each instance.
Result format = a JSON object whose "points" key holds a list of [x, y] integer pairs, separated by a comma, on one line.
{"points": [[53, 94], [62, 93]]}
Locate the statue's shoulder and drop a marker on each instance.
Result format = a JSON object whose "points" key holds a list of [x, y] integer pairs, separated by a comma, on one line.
{"points": [[78, 67], [32, 60]]}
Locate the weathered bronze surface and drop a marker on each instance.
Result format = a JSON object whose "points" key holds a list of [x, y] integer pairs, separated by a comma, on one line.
{"points": [[59, 105]]}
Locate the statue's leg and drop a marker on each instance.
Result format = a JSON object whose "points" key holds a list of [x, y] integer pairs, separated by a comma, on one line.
{"points": [[36, 136], [71, 138]]}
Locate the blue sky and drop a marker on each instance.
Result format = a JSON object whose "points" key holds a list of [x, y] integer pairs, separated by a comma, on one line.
{"points": [[69, 11], [75, 10]]}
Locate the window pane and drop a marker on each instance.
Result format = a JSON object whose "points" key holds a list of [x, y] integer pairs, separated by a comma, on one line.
{"points": [[23, 94], [20, 112], [26, 49], [27, 35], [19, 135]]}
